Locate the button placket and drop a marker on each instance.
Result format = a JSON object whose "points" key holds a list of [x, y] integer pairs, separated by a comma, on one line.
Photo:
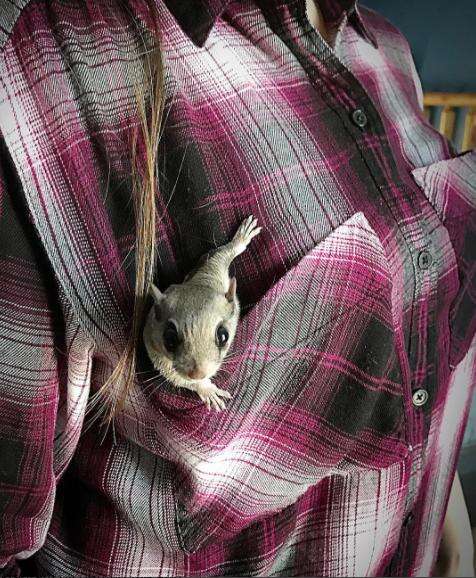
{"points": [[425, 274], [360, 111], [420, 395]]}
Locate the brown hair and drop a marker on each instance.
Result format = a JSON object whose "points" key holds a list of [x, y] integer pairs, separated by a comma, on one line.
{"points": [[110, 398]]}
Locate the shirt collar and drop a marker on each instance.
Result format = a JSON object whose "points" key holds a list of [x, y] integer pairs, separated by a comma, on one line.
{"points": [[197, 17]]}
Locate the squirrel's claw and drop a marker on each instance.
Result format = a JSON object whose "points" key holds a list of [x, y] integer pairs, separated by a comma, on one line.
{"points": [[246, 231], [211, 395]]}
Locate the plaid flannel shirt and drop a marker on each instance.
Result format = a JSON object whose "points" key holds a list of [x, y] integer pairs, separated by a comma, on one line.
{"points": [[353, 365]]}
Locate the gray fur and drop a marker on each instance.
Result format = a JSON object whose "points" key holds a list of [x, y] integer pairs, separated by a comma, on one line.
{"points": [[206, 299]]}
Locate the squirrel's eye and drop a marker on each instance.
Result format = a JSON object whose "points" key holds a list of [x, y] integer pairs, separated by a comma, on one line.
{"points": [[221, 336], [170, 337]]}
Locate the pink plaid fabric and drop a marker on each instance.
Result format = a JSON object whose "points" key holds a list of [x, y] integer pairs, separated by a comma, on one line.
{"points": [[354, 362]]}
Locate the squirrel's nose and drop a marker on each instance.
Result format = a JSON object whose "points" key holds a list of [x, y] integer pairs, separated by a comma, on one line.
{"points": [[196, 373]]}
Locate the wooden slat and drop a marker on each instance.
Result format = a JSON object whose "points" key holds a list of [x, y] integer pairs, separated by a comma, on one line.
{"points": [[469, 135], [447, 122], [450, 99]]}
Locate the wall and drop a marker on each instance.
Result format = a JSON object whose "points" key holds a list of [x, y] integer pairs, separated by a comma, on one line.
{"points": [[442, 35]]}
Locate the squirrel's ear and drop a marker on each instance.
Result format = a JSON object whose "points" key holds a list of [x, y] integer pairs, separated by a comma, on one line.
{"points": [[230, 294], [156, 293]]}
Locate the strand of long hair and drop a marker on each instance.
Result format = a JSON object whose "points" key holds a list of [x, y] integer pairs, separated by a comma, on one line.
{"points": [[111, 396]]}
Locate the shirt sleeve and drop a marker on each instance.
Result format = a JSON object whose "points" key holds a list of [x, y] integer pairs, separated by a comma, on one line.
{"points": [[31, 329]]}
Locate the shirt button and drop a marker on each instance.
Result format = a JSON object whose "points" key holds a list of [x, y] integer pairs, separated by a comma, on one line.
{"points": [[359, 118], [420, 397], [424, 259]]}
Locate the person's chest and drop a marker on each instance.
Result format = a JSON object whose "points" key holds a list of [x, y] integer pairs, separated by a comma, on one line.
{"points": [[272, 122], [264, 119]]}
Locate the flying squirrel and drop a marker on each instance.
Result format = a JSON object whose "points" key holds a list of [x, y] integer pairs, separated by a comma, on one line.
{"points": [[190, 326]]}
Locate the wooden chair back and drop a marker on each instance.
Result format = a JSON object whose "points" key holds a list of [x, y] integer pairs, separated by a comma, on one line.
{"points": [[454, 115]]}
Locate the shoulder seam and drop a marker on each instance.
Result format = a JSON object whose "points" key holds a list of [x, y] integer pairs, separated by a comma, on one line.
{"points": [[10, 11]]}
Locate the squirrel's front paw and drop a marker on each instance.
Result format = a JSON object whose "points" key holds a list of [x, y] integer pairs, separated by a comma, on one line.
{"points": [[247, 230], [211, 395]]}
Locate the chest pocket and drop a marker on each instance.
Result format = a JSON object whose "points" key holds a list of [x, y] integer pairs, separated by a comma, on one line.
{"points": [[450, 187], [316, 390]]}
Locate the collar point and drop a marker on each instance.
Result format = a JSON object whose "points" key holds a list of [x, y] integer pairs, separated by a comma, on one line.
{"points": [[196, 18], [363, 28], [199, 38], [373, 39]]}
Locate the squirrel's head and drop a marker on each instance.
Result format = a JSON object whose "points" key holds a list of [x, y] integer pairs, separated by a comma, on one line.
{"points": [[194, 327]]}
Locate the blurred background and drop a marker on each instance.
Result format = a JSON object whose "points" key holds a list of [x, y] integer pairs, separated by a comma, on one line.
{"points": [[442, 36]]}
